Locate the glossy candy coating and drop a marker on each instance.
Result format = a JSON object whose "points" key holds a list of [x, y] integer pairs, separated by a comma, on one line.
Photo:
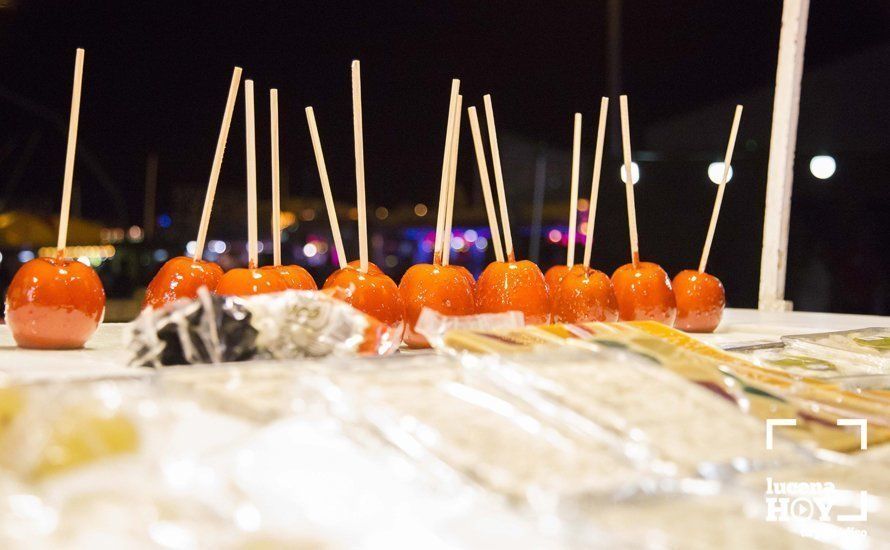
{"points": [[54, 304], [514, 286], [700, 301], [373, 293], [583, 295], [554, 276], [295, 277], [372, 267], [644, 293], [446, 289], [250, 281], [180, 278]]}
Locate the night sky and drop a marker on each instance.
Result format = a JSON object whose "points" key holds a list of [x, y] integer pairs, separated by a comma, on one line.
{"points": [[156, 76]]}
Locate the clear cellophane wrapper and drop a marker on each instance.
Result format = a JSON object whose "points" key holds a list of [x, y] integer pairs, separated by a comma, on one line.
{"points": [[459, 422], [526, 450], [869, 347], [815, 405], [292, 324], [169, 462]]}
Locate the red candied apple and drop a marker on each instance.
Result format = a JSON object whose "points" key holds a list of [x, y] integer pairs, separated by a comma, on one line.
{"points": [[644, 293], [554, 276], [295, 277], [180, 278], [447, 289], [514, 286], [250, 281], [373, 293], [54, 304], [583, 295], [700, 301]]}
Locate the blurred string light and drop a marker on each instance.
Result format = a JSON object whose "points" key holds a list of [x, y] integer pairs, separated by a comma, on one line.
{"points": [[583, 205], [95, 253], [555, 235], [218, 246], [420, 209], [470, 235], [715, 172], [634, 170], [165, 221], [481, 243], [190, 248], [287, 218], [25, 256], [823, 166], [135, 233], [457, 243], [160, 255], [308, 214], [111, 234], [310, 250], [381, 212]]}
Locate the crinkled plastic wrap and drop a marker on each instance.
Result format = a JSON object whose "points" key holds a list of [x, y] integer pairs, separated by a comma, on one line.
{"points": [[687, 429], [46, 429], [131, 464], [870, 347], [284, 325], [802, 363], [815, 405], [431, 411]]}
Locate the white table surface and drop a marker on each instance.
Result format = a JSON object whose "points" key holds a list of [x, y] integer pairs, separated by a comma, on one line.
{"points": [[106, 355]]}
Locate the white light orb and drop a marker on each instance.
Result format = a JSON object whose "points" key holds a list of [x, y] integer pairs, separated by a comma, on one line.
{"points": [[715, 172], [634, 170], [823, 166]]}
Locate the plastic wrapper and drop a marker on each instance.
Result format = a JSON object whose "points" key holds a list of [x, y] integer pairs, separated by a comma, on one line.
{"points": [[455, 426], [815, 405], [689, 430], [870, 347], [198, 477], [802, 363], [694, 520], [52, 428], [285, 325]]}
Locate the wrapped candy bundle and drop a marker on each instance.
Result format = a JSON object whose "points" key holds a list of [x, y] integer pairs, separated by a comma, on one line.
{"points": [[285, 325]]}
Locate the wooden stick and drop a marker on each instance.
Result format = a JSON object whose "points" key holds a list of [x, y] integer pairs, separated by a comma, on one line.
{"points": [[499, 177], [486, 184], [68, 178], [250, 126], [326, 187], [595, 184], [217, 163], [452, 181], [628, 185], [573, 200], [359, 166], [276, 179], [453, 112], [727, 166]]}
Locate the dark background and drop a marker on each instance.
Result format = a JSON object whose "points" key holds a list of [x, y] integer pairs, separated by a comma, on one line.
{"points": [[156, 75]]}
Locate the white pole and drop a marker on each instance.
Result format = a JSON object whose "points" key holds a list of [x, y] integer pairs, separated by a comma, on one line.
{"points": [[783, 138]]}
